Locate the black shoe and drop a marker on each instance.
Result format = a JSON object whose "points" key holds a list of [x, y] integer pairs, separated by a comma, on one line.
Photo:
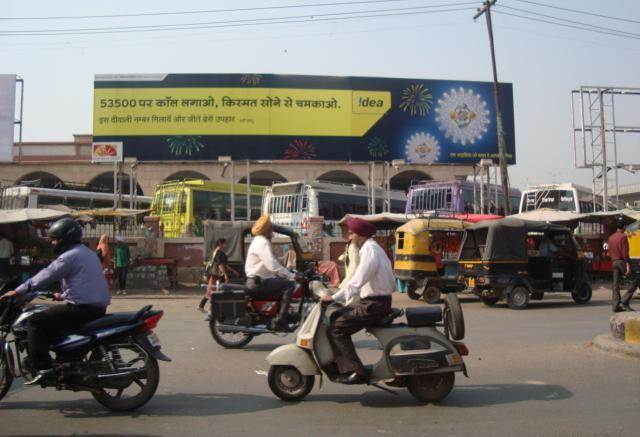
{"points": [[279, 325], [41, 377], [618, 309], [357, 377], [626, 308]]}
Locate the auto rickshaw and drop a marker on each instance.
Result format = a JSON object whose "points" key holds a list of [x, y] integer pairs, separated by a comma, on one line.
{"points": [[633, 235], [521, 260], [425, 257]]}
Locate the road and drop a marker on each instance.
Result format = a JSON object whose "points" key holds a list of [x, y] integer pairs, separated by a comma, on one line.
{"points": [[532, 372]]}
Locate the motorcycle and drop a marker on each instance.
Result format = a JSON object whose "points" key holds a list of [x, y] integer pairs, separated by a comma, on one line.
{"points": [[416, 354], [115, 357], [236, 317]]}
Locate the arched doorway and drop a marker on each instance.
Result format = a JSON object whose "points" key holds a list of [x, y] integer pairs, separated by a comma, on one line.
{"points": [[403, 180], [186, 174], [263, 177], [341, 176], [104, 183], [41, 179]]}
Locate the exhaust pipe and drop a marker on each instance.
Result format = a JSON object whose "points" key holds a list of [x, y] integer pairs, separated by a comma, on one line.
{"points": [[248, 329]]}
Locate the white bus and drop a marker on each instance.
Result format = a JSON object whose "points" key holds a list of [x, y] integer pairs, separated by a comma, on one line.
{"points": [[563, 197], [291, 203], [33, 197]]}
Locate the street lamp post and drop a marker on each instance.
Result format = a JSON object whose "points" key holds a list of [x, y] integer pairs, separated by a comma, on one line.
{"points": [[227, 160]]}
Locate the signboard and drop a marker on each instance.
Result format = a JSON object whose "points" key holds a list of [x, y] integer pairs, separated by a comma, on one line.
{"points": [[7, 115], [252, 116], [106, 152]]}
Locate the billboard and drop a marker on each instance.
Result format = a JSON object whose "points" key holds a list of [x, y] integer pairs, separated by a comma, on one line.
{"points": [[7, 115], [106, 152], [274, 117]]}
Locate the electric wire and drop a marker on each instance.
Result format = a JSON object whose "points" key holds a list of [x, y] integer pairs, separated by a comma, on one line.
{"points": [[577, 11], [228, 23], [210, 11], [566, 25], [582, 23]]}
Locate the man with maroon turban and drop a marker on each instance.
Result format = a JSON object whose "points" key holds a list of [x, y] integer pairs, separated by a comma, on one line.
{"points": [[369, 295]]}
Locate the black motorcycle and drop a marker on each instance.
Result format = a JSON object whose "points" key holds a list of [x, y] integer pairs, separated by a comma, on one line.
{"points": [[115, 357]]}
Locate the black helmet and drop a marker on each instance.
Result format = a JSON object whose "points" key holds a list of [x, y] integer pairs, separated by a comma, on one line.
{"points": [[620, 223], [67, 231]]}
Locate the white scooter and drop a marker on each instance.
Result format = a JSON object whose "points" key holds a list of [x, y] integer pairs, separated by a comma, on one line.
{"points": [[416, 355]]}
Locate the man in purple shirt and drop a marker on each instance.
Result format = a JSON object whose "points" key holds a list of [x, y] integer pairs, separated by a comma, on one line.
{"points": [[84, 289]]}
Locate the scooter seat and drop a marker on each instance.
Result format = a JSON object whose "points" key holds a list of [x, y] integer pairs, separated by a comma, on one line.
{"points": [[232, 287], [108, 320], [395, 313], [423, 316]]}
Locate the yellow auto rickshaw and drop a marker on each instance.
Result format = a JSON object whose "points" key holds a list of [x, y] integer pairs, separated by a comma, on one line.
{"points": [[425, 257], [633, 235]]}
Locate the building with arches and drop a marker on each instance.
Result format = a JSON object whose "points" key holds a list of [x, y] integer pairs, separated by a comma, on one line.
{"points": [[68, 164]]}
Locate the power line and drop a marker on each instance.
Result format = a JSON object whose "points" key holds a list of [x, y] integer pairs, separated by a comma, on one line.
{"points": [[210, 11], [577, 11], [226, 23], [582, 23], [566, 25]]}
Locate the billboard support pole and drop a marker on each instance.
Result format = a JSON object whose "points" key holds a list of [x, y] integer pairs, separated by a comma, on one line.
{"points": [[233, 191], [248, 196], [486, 9], [115, 184]]}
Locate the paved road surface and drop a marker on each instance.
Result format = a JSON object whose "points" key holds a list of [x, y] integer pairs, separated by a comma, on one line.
{"points": [[533, 372]]}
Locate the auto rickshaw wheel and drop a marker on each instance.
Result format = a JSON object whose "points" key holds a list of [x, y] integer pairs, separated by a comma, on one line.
{"points": [[582, 294], [518, 298], [453, 316], [490, 301], [431, 295]]}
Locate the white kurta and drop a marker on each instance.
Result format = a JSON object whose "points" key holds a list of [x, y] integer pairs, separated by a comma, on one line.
{"points": [[373, 276], [261, 262]]}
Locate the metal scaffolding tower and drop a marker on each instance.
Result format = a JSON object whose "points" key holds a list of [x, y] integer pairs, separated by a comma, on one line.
{"points": [[595, 142]]}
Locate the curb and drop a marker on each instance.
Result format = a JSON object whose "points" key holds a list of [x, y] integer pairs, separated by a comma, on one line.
{"points": [[607, 343]]}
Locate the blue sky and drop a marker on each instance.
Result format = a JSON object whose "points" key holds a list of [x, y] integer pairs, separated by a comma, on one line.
{"points": [[544, 62]]}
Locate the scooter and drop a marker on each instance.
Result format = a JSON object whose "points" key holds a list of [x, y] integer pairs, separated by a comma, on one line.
{"points": [[416, 355]]}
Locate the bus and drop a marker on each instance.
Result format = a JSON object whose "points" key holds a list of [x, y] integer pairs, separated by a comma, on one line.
{"points": [[18, 197], [562, 197], [458, 196], [292, 203], [182, 206]]}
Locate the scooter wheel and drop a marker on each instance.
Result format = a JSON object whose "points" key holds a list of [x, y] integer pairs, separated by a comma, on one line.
{"points": [[289, 384], [431, 388]]}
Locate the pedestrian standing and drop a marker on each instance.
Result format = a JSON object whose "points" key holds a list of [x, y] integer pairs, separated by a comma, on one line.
{"points": [[618, 246], [106, 257], [121, 260], [6, 252], [218, 270]]}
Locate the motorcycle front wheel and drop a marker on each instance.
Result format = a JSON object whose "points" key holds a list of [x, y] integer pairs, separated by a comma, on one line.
{"points": [[6, 378], [128, 395], [289, 384], [228, 340]]}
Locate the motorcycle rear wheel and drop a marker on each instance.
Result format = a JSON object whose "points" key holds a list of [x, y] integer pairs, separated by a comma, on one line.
{"points": [[431, 388], [289, 384], [147, 381], [6, 378], [229, 340]]}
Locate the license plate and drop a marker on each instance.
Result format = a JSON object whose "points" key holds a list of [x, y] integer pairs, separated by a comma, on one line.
{"points": [[472, 282], [153, 339]]}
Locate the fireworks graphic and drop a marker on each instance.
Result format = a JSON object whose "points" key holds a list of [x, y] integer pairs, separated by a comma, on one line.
{"points": [[422, 148], [300, 149], [462, 116], [378, 147], [417, 100], [185, 144], [251, 79]]}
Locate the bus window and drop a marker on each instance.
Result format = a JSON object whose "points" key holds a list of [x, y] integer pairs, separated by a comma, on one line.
{"points": [[211, 205], [44, 201], [168, 201]]}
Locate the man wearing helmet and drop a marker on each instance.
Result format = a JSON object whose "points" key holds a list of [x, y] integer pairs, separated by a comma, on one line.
{"points": [[84, 289]]}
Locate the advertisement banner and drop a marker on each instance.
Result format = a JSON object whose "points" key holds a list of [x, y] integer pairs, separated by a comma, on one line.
{"points": [[106, 152], [251, 116], [7, 115]]}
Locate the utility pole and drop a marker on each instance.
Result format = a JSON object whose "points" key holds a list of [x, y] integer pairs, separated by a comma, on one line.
{"points": [[486, 9]]}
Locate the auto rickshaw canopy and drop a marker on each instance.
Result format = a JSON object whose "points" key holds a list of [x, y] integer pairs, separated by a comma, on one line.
{"points": [[504, 240], [419, 225]]}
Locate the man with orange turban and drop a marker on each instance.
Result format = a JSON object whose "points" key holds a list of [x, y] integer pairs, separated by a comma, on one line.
{"points": [[266, 277]]}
